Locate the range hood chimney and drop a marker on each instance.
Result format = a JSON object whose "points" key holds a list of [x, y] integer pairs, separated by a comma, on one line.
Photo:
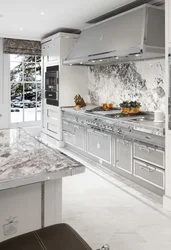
{"points": [[137, 34]]}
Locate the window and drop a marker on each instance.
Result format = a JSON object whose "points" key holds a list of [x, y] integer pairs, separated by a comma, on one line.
{"points": [[25, 78]]}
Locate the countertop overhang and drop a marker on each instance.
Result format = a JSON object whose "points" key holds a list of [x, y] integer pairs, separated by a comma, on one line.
{"points": [[25, 160]]}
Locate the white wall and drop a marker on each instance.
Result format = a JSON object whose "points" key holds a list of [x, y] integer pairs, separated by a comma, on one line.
{"points": [[4, 88]]}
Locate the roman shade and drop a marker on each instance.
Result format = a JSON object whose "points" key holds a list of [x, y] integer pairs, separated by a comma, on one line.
{"points": [[22, 47]]}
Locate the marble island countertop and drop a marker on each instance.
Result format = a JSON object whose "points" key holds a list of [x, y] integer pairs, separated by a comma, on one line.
{"points": [[142, 125], [25, 160]]}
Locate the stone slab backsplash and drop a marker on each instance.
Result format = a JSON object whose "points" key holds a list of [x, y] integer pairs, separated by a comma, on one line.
{"points": [[142, 81]]}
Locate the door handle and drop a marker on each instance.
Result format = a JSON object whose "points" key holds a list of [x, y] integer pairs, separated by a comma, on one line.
{"points": [[148, 168]]}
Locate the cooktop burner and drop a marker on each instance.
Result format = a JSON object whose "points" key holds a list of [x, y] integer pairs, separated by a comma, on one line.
{"points": [[120, 115], [99, 109]]}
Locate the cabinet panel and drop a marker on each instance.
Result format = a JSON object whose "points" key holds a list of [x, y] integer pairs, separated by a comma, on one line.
{"points": [[149, 154], [67, 126], [54, 50], [99, 145], [79, 137], [124, 155], [45, 49], [149, 173], [68, 137]]}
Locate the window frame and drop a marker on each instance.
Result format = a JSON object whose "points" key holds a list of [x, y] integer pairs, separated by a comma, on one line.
{"points": [[24, 123]]}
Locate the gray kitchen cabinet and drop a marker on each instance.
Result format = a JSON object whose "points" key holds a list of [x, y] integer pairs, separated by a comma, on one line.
{"points": [[149, 154], [149, 173], [69, 138], [79, 137], [73, 134], [99, 145], [124, 155], [68, 126]]}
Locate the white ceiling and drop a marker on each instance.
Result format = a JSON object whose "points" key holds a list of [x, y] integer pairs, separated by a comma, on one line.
{"points": [[26, 14]]}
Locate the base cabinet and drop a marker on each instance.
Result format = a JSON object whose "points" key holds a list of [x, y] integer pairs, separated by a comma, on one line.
{"points": [[136, 161], [149, 174], [79, 141], [74, 135], [124, 155], [99, 145]]}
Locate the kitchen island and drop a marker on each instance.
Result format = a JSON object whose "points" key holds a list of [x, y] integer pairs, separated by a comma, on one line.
{"points": [[30, 183], [132, 146]]}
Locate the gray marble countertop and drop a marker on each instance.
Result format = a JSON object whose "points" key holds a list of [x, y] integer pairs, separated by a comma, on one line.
{"points": [[25, 160], [143, 126]]}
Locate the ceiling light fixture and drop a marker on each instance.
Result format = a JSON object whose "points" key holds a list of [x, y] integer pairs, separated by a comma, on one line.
{"points": [[117, 57], [137, 55], [93, 61], [81, 63], [21, 28], [42, 13], [100, 60], [70, 64]]}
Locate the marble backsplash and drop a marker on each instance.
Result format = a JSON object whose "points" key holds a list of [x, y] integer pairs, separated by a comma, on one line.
{"points": [[142, 81]]}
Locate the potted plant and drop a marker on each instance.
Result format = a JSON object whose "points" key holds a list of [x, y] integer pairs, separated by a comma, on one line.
{"points": [[131, 107]]}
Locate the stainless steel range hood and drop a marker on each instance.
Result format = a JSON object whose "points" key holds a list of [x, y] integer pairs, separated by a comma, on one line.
{"points": [[133, 35]]}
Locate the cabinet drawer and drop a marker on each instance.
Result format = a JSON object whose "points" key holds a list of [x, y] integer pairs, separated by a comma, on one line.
{"points": [[124, 155], [151, 155], [99, 145], [67, 126], [149, 173], [68, 137]]}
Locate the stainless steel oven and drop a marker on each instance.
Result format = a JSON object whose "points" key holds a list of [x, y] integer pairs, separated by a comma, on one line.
{"points": [[52, 85]]}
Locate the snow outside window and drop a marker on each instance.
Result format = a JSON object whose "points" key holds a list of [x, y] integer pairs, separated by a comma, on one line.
{"points": [[25, 78]]}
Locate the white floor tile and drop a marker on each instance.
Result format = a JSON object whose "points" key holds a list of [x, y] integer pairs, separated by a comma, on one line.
{"points": [[104, 209]]}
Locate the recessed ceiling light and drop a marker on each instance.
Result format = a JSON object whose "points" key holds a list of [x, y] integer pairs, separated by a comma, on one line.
{"points": [[93, 61], [137, 55], [116, 57], [21, 28], [100, 60], [42, 13], [81, 63]]}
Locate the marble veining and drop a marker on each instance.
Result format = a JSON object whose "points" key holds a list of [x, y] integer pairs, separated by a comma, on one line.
{"points": [[142, 81], [22, 155]]}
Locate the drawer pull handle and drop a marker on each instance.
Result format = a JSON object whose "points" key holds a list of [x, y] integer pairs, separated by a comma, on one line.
{"points": [[149, 169], [125, 142], [149, 150], [68, 134], [148, 137], [97, 133]]}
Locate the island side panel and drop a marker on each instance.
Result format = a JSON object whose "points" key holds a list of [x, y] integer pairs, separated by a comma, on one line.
{"points": [[52, 202], [20, 210]]}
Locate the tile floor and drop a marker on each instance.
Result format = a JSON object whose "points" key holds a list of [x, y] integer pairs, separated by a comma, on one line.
{"points": [[106, 208]]}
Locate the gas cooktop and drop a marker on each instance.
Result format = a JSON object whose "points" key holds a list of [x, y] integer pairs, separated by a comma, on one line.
{"points": [[120, 115], [99, 109]]}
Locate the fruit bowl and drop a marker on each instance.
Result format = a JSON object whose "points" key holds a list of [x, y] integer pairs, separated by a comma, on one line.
{"points": [[107, 106]]}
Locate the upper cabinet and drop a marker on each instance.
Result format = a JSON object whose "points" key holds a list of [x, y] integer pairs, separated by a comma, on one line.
{"points": [[58, 46]]}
